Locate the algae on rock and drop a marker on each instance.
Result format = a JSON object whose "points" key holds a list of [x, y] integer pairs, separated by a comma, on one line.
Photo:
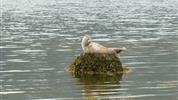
{"points": [[96, 63]]}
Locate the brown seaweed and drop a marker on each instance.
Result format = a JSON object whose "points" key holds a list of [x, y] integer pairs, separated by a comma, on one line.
{"points": [[96, 63]]}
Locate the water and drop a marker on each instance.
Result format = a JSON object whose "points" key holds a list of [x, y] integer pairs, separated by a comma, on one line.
{"points": [[40, 38]]}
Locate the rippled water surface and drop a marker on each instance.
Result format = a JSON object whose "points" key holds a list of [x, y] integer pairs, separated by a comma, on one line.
{"points": [[40, 38]]}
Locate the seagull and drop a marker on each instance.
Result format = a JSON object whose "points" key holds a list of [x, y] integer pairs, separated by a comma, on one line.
{"points": [[89, 46]]}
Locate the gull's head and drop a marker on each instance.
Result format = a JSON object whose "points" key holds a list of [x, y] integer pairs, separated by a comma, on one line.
{"points": [[86, 40]]}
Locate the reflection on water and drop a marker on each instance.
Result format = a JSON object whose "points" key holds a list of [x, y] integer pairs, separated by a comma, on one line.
{"points": [[99, 85], [40, 38]]}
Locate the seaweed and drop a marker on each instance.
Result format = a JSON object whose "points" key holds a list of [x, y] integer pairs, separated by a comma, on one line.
{"points": [[96, 63]]}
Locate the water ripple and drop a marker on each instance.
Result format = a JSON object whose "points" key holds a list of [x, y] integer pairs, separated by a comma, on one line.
{"points": [[15, 71], [17, 60], [12, 92]]}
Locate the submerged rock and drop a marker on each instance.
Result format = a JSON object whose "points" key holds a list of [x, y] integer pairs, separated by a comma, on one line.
{"points": [[96, 63]]}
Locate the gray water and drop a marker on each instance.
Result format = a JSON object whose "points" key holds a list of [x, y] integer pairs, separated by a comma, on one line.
{"points": [[40, 38]]}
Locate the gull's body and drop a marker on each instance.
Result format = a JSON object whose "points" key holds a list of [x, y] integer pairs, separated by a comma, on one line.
{"points": [[89, 46]]}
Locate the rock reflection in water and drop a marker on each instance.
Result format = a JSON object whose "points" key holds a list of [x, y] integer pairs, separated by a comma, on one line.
{"points": [[99, 85]]}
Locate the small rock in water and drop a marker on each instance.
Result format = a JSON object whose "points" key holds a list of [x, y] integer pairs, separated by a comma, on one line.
{"points": [[96, 63]]}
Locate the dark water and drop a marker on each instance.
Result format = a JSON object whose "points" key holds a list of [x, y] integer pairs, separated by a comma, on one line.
{"points": [[40, 38]]}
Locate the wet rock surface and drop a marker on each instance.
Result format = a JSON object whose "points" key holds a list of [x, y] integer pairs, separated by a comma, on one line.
{"points": [[96, 63]]}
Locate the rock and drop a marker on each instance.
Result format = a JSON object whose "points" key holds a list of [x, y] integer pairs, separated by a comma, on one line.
{"points": [[96, 63]]}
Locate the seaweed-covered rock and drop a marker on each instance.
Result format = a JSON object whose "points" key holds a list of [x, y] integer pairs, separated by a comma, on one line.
{"points": [[96, 63]]}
